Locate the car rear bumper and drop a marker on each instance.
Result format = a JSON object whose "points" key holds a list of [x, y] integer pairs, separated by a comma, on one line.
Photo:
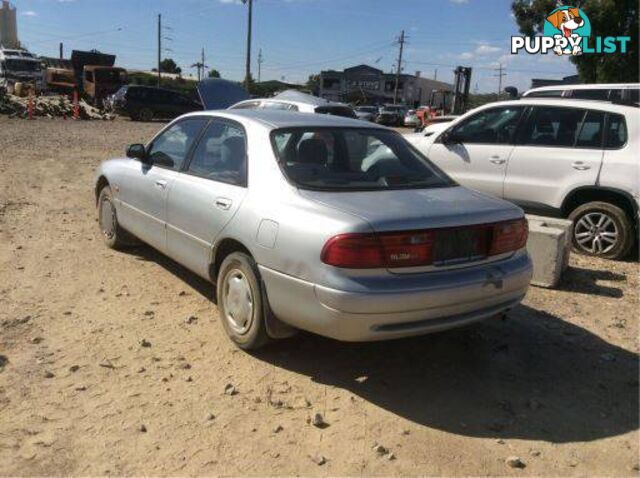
{"points": [[436, 301]]}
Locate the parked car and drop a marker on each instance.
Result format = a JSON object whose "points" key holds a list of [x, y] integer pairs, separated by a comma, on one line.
{"points": [[411, 119], [366, 113], [316, 222], [292, 100], [391, 115], [145, 103], [569, 158], [626, 93]]}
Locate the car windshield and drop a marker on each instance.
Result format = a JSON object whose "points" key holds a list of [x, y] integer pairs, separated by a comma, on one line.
{"points": [[367, 109], [23, 65], [348, 159]]}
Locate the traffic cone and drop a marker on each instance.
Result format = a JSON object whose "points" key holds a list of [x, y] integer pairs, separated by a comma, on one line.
{"points": [[76, 106]]}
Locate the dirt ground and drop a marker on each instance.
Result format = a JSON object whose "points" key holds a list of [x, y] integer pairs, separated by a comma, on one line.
{"points": [[116, 364]]}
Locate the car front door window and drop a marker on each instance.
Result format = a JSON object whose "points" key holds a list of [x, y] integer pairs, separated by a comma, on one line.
{"points": [[171, 148], [494, 126], [221, 154]]}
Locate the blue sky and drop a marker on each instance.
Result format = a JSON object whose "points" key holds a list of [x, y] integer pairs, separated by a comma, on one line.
{"points": [[297, 37]]}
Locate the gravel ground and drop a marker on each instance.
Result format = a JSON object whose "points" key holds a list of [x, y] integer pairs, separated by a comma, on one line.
{"points": [[116, 363]]}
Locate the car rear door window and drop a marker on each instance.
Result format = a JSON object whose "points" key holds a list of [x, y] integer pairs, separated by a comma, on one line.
{"points": [[590, 135], [591, 94], [616, 135], [221, 154], [545, 94], [492, 126], [553, 126], [172, 146]]}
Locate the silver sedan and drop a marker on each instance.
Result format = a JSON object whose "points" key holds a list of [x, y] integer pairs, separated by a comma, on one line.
{"points": [[315, 222]]}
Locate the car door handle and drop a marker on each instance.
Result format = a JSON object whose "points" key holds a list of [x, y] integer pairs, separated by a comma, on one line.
{"points": [[161, 183], [497, 160], [580, 166], [223, 203]]}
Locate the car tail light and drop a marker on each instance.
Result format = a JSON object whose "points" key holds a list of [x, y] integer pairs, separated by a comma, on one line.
{"points": [[509, 236], [367, 251], [416, 248]]}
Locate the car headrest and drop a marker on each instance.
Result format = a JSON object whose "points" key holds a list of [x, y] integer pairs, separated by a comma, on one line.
{"points": [[233, 150], [313, 151], [544, 124]]}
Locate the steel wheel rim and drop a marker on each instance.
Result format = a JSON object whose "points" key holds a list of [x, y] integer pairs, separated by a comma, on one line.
{"points": [[238, 301], [107, 218], [596, 233]]}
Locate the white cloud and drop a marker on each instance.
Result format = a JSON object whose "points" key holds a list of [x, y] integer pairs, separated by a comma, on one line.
{"points": [[459, 2], [485, 49], [29, 13], [467, 55]]}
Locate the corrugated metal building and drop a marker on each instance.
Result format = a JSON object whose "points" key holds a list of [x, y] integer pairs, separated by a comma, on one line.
{"points": [[364, 84]]}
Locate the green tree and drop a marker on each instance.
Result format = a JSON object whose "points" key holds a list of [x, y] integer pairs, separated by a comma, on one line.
{"points": [[213, 73], [169, 66], [313, 84], [608, 18]]}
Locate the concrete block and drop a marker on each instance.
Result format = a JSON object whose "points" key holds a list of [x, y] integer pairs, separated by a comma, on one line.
{"points": [[549, 246]]}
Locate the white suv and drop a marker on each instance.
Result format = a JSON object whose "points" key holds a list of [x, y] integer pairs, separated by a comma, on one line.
{"points": [[574, 158]]}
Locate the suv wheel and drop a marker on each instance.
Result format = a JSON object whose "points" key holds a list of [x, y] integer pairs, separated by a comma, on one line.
{"points": [[601, 229], [145, 114]]}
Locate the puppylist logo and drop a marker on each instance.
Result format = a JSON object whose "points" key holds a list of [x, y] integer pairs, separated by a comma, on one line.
{"points": [[567, 31]]}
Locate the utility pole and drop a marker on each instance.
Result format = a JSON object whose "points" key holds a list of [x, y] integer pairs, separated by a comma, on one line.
{"points": [[501, 74], [200, 66], [247, 78], [435, 75], [399, 69], [61, 51], [260, 61], [159, 46]]}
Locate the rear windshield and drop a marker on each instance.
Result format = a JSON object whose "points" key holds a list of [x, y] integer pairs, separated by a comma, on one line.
{"points": [[348, 159], [345, 111]]}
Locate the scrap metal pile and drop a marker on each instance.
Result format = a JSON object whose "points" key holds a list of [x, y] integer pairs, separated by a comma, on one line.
{"points": [[58, 106]]}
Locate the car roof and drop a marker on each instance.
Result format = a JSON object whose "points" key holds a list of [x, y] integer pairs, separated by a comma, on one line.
{"points": [[593, 86], [564, 102], [277, 119]]}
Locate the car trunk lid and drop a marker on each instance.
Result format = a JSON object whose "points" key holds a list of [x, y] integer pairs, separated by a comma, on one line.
{"points": [[459, 218]]}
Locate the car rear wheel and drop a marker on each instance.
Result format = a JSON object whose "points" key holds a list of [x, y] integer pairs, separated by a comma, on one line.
{"points": [[145, 114], [114, 235], [601, 229], [240, 303]]}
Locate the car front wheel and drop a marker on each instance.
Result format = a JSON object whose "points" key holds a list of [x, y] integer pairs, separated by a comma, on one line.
{"points": [[114, 235], [240, 301], [601, 229]]}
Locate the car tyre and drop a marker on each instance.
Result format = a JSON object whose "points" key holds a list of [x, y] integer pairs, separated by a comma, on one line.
{"points": [[240, 301], [602, 229], [115, 237], [145, 114]]}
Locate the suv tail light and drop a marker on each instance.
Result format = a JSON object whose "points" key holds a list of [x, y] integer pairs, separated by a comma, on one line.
{"points": [[416, 248]]}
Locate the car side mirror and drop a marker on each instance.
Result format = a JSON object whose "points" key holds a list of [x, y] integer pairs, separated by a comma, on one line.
{"points": [[137, 151]]}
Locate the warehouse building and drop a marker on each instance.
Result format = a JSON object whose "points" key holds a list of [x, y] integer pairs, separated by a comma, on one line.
{"points": [[364, 84]]}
